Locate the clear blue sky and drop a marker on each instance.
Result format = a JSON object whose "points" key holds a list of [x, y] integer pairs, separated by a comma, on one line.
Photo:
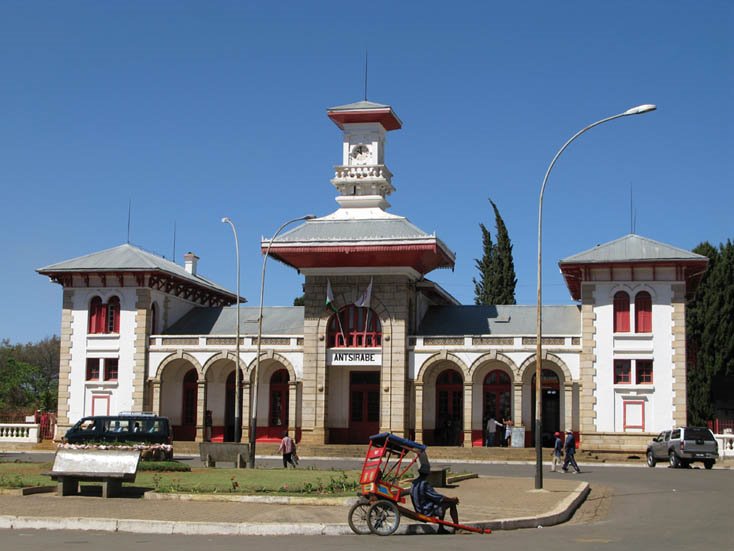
{"points": [[198, 110]]}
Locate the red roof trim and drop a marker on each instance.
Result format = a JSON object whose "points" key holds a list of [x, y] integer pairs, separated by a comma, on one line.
{"points": [[384, 116], [574, 273]]}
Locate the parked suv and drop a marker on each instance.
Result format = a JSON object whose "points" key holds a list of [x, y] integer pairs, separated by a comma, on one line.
{"points": [[126, 427], [683, 446]]}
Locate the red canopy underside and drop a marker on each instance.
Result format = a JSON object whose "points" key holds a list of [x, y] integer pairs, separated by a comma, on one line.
{"points": [[422, 257], [384, 116]]}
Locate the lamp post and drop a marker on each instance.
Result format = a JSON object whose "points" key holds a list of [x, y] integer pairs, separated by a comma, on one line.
{"points": [[256, 374], [237, 390], [640, 109]]}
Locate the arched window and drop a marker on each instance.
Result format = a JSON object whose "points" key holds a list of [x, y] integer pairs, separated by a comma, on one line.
{"points": [[355, 327], [643, 312], [96, 316], [621, 312], [113, 316]]}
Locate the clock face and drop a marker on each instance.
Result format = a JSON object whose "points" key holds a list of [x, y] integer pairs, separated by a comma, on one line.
{"points": [[360, 153]]}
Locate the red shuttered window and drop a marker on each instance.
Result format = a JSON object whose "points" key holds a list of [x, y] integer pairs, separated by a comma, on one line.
{"points": [[643, 313], [621, 312], [104, 318]]}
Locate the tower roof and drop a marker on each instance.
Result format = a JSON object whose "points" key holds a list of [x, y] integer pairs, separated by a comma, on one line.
{"points": [[365, 111], [381, 240], [127, 258], [632, 251]]}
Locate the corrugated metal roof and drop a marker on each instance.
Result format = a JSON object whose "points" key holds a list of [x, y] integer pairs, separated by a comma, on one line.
{"points": [[320, 230], [277, 320], [128, 257], [499, 320], [631, 248], [364, 104]]}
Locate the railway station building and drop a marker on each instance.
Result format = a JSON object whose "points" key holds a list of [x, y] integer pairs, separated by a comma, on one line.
{"points": [[377, 346]]}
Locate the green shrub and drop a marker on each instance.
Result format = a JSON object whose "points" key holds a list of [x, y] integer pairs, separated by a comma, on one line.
{"points": [[164, 466]]}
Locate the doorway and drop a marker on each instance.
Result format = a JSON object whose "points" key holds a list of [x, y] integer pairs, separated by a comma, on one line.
{"points": [[364, 406], [551, 407], [449, 429]]}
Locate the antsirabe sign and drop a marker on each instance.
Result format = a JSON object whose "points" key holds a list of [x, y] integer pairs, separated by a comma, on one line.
{"points": [[353, 357]]}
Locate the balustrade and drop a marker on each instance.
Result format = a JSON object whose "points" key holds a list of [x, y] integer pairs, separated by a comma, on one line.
{"points": [[20, 432]]}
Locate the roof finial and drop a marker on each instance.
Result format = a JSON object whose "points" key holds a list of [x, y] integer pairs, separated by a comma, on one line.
{"points": [[366, 57]]}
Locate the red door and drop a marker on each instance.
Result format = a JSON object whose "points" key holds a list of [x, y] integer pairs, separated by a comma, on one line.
{"points": [[187, 429], [278, 408], [364, 406], [449, 409], [496, 390]]}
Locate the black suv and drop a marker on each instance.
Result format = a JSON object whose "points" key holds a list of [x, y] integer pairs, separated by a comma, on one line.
{"points": [[139, 427], [683, 446]]}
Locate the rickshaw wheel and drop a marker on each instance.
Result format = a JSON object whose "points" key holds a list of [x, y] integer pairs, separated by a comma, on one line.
{"points": [[383, 518], [358, 518]]}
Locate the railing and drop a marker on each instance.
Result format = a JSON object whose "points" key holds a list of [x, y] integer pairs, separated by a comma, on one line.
{"points": [[20, 432], [726, 445]]}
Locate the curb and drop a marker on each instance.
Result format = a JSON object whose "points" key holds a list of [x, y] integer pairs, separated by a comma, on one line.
{"points": [[561, 513]]}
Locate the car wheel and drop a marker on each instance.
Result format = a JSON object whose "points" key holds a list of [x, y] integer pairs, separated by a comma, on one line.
{"points": [[650, 459], [673, 459], [709, 464]]}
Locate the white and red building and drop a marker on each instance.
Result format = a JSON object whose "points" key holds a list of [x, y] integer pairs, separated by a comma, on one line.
{"points": [[142, 333]]}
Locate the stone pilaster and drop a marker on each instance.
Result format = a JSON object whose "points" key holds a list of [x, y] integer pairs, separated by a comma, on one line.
{"points": [[567, 405], [140, 355], [313, 397], [292, 407], [156, 397], [587, 386], [468, 414], [65, 363], [679, 355], [246, 401], [418, 412], [200, 409], [517, 406]]}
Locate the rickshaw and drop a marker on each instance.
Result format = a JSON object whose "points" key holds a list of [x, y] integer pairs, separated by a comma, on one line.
{"points": [[381, 504]]}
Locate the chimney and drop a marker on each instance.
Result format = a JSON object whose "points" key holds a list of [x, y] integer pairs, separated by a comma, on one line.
{"points": [[190, 261]]}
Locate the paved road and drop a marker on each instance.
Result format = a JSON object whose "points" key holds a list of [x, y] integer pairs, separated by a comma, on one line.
{"points": [[629, 508]]}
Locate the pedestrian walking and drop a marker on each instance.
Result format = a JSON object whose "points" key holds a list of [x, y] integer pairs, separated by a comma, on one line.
{"points": [[557, 451], [508, 432], [492, 425], [569, 447], [287, 448]]}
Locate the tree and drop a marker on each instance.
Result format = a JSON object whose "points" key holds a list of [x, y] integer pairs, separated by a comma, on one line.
{"points": [[299, 301], [29, 375], [710, 331], [497, 280]]}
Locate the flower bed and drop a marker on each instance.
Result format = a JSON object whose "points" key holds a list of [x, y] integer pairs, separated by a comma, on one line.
{"points": [[148, 452]]}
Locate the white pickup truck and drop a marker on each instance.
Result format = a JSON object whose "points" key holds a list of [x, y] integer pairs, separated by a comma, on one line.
{"points": [[683, 446]]}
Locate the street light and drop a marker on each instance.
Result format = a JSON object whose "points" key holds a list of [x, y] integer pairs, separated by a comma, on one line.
{"points": [[256, 374], [640, 109], [237, 391]]}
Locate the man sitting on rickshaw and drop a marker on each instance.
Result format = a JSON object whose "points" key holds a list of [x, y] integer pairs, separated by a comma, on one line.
{"points": [[427, 501]]}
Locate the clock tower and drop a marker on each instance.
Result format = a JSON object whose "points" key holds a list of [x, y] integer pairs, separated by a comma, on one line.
{"points": [[363, 178]]}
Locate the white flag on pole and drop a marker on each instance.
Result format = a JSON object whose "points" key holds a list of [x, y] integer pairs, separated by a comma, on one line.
{"points": [[364, 300]]}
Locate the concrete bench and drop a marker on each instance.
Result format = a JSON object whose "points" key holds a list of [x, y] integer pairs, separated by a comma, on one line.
{"points": [[438, 477], [234, 452], [110, 467]]}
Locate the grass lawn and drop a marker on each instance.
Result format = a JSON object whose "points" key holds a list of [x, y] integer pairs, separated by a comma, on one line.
{"points": [[201, 480]]}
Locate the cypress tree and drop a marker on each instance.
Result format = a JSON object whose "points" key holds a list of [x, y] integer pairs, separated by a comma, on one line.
{"points": [[497, 280], [504, 279], [482, 288], [710, 331]]}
